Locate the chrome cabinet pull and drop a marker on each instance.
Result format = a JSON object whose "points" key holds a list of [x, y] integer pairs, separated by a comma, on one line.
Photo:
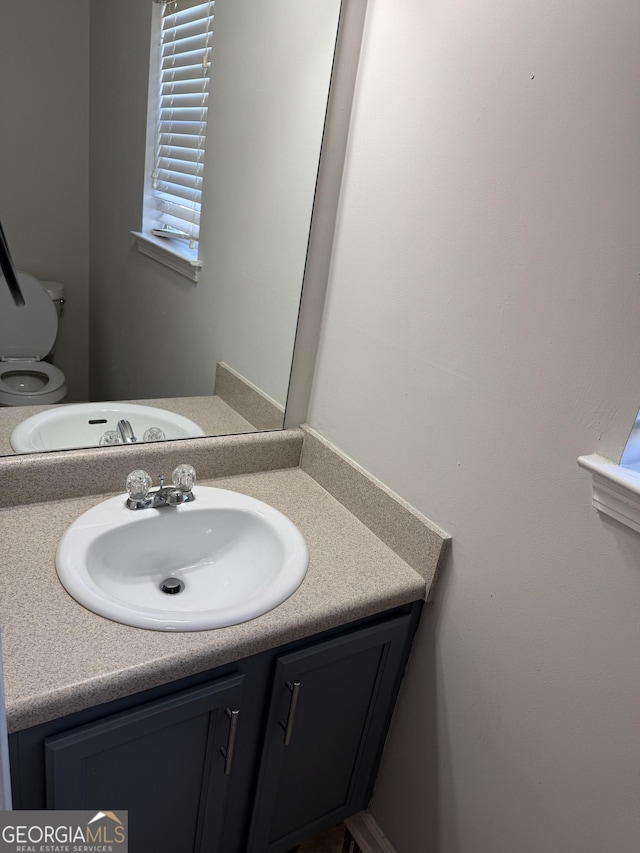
{"points": [[228, 751], [288, 726]]}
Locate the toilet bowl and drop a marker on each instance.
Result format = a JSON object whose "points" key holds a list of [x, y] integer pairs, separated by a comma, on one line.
{"points": [[27, 335]]}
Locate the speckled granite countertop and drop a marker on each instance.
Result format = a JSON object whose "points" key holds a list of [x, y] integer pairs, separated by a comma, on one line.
{"points": [[60, 657]]}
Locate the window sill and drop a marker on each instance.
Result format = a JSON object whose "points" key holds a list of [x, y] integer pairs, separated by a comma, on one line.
{"points": [[616, 489], [170, 253]]}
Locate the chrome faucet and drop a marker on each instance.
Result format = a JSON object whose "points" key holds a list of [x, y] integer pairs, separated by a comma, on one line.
{"points": [[126, 432], [143, 496]]}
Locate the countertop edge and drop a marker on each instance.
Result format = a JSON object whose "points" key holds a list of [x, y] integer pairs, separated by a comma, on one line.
{"points": [[27, 713]]}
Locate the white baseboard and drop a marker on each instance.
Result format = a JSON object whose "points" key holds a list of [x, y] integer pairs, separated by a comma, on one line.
{"points": [[367, 834]]}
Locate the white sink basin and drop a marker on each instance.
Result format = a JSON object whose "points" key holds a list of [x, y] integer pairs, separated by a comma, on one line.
{"points": [[83, 424], [236, 556]]}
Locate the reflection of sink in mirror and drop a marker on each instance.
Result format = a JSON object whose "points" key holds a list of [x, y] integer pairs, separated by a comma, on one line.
{"points": [[84, 424], [223, 559]]}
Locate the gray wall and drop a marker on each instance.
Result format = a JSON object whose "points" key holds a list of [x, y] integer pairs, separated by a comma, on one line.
{"points": [[44, 158], [481, 332], [123, 304], [271, 71], [153, 332]]}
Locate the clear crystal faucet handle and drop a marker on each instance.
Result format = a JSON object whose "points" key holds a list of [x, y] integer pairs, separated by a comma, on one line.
{"points": [[138, 484], [184, 477]]}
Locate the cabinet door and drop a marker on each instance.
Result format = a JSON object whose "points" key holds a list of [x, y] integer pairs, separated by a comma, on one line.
{"points": [[167, 762], [329, 713]]}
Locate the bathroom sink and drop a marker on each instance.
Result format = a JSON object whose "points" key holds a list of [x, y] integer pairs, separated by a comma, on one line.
{"points": [[83, 424], [220, 560]]}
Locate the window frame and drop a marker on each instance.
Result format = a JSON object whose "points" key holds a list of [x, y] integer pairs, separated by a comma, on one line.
{"points": [[175, 253]]}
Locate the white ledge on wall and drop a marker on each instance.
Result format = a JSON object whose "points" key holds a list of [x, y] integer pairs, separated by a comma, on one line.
{"points": [[161, 250], [616, 489]]}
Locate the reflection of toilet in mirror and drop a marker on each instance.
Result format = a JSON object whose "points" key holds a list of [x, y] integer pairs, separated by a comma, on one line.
{"points": [[27, 335]]}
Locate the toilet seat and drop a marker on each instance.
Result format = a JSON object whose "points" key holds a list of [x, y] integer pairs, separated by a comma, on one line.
{"points": [[27, 335], [52, 390]]}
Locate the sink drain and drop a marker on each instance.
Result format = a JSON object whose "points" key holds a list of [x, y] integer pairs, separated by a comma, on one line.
{"points": [[172, 586]]}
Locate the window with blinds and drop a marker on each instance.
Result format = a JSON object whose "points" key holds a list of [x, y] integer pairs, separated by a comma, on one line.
{"points": [[181, 121]]}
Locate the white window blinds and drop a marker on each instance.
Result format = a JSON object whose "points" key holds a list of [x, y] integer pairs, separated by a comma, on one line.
{"points": [[185, 60]]}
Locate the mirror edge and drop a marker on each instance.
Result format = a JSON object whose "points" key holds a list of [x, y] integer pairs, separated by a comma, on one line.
{"points": [[325, 210]]}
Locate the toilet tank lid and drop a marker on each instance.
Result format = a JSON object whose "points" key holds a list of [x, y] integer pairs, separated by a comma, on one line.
{"points": [[28, 331], [55, 289]]}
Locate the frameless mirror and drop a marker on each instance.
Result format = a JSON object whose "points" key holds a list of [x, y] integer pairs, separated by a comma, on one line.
{"points": [[74, 83]]}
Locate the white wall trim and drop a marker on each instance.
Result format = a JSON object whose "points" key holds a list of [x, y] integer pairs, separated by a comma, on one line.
{"points": [[367, 834], [158, 249], [616, 490]]}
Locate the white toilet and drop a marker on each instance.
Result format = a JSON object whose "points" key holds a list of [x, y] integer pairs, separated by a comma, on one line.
{"points": [[27, 335]]}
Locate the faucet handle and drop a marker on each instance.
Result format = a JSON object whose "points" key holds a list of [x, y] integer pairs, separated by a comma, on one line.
{"points": [[184, 477], [110, 437], [154, 434], [138, 484]]}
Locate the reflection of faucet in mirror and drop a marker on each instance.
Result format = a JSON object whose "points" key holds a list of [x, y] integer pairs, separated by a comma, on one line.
{"points": [[126, 432], [260, 179]]}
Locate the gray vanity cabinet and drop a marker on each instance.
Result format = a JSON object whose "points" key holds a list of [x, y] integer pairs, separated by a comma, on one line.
{"points": [[168, 762], [328, 716], [309, 732]]}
